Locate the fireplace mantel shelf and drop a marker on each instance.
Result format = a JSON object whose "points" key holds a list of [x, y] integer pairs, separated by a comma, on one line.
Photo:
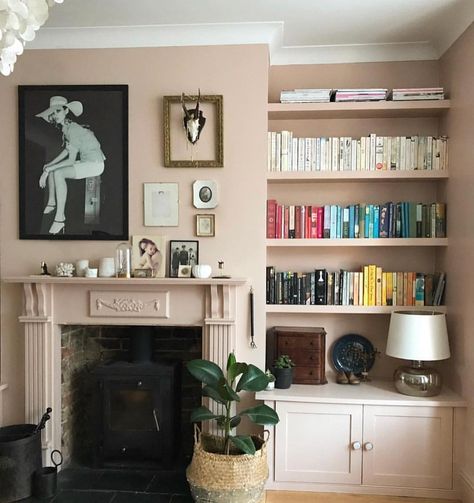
{"points": [[126, 281]]}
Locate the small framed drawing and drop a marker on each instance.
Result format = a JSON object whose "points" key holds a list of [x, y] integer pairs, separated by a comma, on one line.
{"points": [[161, 204], [205, 225], [148, 252], [183, 253], [205, 194], [181, 148]]}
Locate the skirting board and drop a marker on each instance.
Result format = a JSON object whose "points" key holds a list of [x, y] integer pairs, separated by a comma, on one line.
{"points": [[3, 387], [467, 483]]}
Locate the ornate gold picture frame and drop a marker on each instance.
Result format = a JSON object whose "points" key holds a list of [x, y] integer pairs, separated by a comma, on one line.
{"points": [[208, 151]]}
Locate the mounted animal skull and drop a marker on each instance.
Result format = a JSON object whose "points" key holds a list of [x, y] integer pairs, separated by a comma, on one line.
{"points": [[193, 119]]}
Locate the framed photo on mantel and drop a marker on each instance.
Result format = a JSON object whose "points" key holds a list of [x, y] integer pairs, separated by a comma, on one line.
{"points": [[73, 156]]}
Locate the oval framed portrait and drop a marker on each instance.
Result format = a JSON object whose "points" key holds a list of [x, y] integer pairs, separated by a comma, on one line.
{"points": [[205, 194]]}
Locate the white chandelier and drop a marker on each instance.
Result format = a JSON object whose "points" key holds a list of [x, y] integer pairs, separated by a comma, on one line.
{"points": [[19, 21]]}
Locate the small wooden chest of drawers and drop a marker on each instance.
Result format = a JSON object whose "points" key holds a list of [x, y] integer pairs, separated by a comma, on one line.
{"points": [[306, 346]]}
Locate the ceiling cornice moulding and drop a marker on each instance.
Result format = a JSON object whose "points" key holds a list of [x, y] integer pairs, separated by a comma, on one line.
{"points": [[270, 33]]}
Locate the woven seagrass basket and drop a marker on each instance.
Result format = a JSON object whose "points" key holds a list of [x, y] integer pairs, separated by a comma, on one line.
{"points": [[221, 478]]}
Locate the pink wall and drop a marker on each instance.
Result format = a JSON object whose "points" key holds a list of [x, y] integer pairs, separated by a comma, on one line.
{"points": [[150, 74], [393, 74], [457, 76]]}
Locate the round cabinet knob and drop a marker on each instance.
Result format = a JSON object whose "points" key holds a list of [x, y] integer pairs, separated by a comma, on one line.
{"points": [[124, 450], [356, 445], [139, 384], [368, 446]]}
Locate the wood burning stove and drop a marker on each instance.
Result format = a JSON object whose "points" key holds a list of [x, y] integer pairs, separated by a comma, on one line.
{"points": [[138, 404]]}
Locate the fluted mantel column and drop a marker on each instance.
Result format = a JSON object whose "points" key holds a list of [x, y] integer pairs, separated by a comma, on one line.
{"points": [[42, 362]]}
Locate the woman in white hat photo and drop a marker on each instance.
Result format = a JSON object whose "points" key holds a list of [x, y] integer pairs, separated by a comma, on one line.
{"points": [[81, 157]]}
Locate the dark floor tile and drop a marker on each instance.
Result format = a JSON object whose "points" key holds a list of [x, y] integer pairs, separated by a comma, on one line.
{"points": [[84, 497], [36, 500], [78, 478], [169, 482], [127, 497], [124, 480], [182, 498]]}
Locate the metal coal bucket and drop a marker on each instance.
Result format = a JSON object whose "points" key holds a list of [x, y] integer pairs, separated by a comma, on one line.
{"points": [[20, 458]]}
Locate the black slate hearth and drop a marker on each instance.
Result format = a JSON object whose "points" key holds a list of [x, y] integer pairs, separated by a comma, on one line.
{"points": [[82, 485]]}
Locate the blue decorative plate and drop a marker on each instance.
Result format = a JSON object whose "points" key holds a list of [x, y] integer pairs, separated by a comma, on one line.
{"points": [[353, 353]]}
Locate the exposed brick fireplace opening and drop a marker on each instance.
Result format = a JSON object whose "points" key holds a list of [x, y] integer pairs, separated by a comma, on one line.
{"points": [[86, 348]]}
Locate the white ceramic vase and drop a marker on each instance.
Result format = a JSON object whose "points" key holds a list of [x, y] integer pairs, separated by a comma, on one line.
{"points": [[202, 271]]}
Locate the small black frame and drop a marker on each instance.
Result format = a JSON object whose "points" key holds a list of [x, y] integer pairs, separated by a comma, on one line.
{"points": [[96, 206], [183, 256]]}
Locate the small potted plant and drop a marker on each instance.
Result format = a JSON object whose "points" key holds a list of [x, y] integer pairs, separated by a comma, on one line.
{"points": [[283, 371], [271, 380], [227, 467]]}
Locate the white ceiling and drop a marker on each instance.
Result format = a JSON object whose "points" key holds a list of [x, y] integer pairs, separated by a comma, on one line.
{"points": [[297, 31]]}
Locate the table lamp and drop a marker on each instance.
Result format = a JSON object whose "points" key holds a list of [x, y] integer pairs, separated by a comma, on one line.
{"points": [[418, 336]]}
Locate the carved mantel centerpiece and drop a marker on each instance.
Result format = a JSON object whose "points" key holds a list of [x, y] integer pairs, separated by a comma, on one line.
{"points": [[50, 302]]}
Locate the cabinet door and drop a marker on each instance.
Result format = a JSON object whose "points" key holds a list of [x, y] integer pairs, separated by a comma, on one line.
{"points": [[411, 446], [314, 443]]}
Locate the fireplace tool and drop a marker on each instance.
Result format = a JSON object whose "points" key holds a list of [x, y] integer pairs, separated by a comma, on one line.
{"points": [[252, 321], [45, 480]]}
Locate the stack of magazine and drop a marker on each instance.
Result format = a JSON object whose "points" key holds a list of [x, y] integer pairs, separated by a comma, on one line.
{"points": [[361, 94], [306, 96], [418, 93]]}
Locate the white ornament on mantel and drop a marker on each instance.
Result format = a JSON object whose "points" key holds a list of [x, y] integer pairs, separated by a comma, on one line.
{"points": [[65, 270], [19, 21]]}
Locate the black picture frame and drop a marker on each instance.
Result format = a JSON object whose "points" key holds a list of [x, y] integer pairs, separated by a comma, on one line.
{"points": [[96, 206], [179, 243]]}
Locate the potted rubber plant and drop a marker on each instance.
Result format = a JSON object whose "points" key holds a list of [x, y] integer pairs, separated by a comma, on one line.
{"points": [[226, 466], [283, 370]]}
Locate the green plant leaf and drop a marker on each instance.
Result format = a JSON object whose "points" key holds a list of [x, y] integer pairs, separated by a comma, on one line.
{"points": [[261, 414], [235, 370], [213, 392], [235, 421], [253, 379], [244, 443], [221, 422], [202, 414], [205, 371], [231, 360], [226, 391]]}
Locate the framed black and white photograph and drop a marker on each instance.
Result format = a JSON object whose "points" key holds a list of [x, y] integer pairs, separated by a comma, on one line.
{"points": [[73, 142], [205, 194], [183, 253], [161, 204]]}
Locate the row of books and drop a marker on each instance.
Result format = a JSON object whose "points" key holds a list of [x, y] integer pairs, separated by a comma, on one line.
{"points": [[388, 220], [368, 153], [369, 287], [364, 94]]}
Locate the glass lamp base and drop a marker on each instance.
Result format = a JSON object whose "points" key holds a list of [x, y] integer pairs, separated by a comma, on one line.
{"points": [[417, 380]]}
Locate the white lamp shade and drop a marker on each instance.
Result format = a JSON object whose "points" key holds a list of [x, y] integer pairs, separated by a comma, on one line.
{"points": [[418, 335]]}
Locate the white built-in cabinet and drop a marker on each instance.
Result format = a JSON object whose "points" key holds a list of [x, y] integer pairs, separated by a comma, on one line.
{"points": [[363, 439]]}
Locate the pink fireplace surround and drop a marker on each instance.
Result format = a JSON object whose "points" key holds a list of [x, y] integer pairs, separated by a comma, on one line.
{"points": [[50, 302]]}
